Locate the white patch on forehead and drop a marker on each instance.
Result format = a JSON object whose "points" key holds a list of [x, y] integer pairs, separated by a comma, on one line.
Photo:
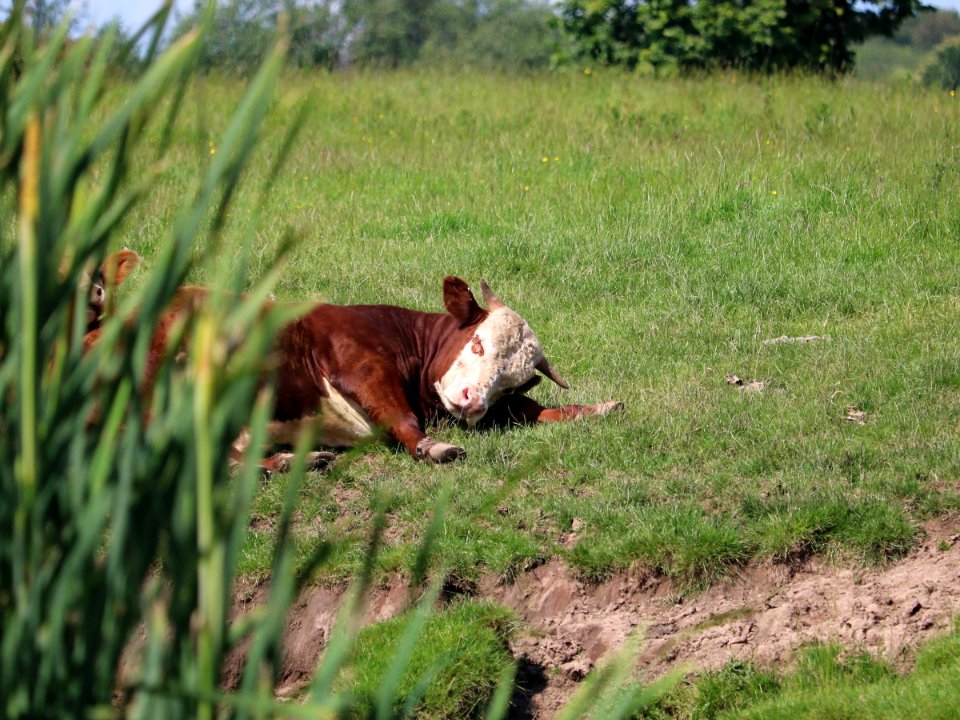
{"points": [[515, 349], [508, 352]]}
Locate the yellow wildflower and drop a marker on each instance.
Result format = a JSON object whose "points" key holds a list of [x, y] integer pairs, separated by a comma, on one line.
{"points": [[773, 192]]}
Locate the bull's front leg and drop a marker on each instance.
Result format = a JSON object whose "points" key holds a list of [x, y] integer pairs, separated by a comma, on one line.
{"points": [[405, 429], [383, 399], [519, 409]]}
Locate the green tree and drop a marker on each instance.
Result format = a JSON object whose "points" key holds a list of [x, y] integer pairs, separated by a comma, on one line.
{"points": [[242, 32], [46, 14], [41, 15], [391, 32], [504, 34], [931, 29], [749, 34], [942, 69], [316, 35], [513, 34]]}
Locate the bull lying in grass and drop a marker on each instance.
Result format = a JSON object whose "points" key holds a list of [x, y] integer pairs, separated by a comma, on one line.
{"points": [[349, 372]]}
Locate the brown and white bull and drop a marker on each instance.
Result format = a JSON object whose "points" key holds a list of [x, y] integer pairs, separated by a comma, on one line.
{"points": [[352, 372]]}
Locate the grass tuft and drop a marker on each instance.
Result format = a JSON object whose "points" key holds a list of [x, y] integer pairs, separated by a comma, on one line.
{"points": [[824, 683], [455, 664]]}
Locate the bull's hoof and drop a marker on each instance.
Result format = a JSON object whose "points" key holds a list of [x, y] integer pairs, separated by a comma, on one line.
{"points": [[444, 453], [438, 452], [319, 460], [609, 407], [283, 462]]}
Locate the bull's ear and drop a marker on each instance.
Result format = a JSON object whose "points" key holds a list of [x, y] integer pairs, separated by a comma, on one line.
{"points": [[116, 267], [460, 302]]}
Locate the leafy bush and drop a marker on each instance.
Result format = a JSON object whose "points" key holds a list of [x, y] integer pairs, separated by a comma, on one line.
{"points": [[664, 35], [942, 68]]}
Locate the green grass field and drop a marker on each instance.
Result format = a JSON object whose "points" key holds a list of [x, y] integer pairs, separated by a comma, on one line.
{"points": [[661, 237], [654, 234]]}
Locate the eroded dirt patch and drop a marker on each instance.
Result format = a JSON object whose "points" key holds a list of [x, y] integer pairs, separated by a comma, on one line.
{"points": [[765, 612]]}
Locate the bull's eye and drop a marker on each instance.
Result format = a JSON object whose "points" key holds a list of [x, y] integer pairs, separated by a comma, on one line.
{"points": [[477, 347]]}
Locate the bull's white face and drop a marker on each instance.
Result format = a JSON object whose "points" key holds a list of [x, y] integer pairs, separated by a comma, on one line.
{"points": [[500, 357]]}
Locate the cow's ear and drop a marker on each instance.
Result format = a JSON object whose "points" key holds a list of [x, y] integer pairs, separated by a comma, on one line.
{"points": [[460, 302], [116, 267]]}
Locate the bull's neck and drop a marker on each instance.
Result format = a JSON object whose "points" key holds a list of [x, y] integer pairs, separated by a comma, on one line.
{"points": [[438, 339]]}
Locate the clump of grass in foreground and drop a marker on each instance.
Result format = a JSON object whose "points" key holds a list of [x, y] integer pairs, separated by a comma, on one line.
{"points": [[117, 509], [453, 667], [826, 683]]}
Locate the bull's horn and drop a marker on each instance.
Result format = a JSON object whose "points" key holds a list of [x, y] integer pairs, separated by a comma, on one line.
{"points": [[489, 299], [547, 369]]}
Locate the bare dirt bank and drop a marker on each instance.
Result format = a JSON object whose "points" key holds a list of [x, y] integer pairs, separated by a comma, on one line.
{"points": [[765, 612]]}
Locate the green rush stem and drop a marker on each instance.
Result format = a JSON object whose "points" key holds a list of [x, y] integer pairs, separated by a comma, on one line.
{"points": [[29, 202], [210, 566]]}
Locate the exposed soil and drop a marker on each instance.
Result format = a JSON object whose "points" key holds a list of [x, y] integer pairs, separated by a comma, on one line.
{"points": [[764, 612]]}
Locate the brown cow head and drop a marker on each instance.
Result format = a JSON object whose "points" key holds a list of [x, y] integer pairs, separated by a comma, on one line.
{"points": [[500, 356], [103, 281]]}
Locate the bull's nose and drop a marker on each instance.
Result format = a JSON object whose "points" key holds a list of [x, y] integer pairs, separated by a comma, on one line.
{"points": [[471, 404]]}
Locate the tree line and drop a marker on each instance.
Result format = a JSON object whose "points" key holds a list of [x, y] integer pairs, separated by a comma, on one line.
{"points": [[384, 33], [652, 36]]}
